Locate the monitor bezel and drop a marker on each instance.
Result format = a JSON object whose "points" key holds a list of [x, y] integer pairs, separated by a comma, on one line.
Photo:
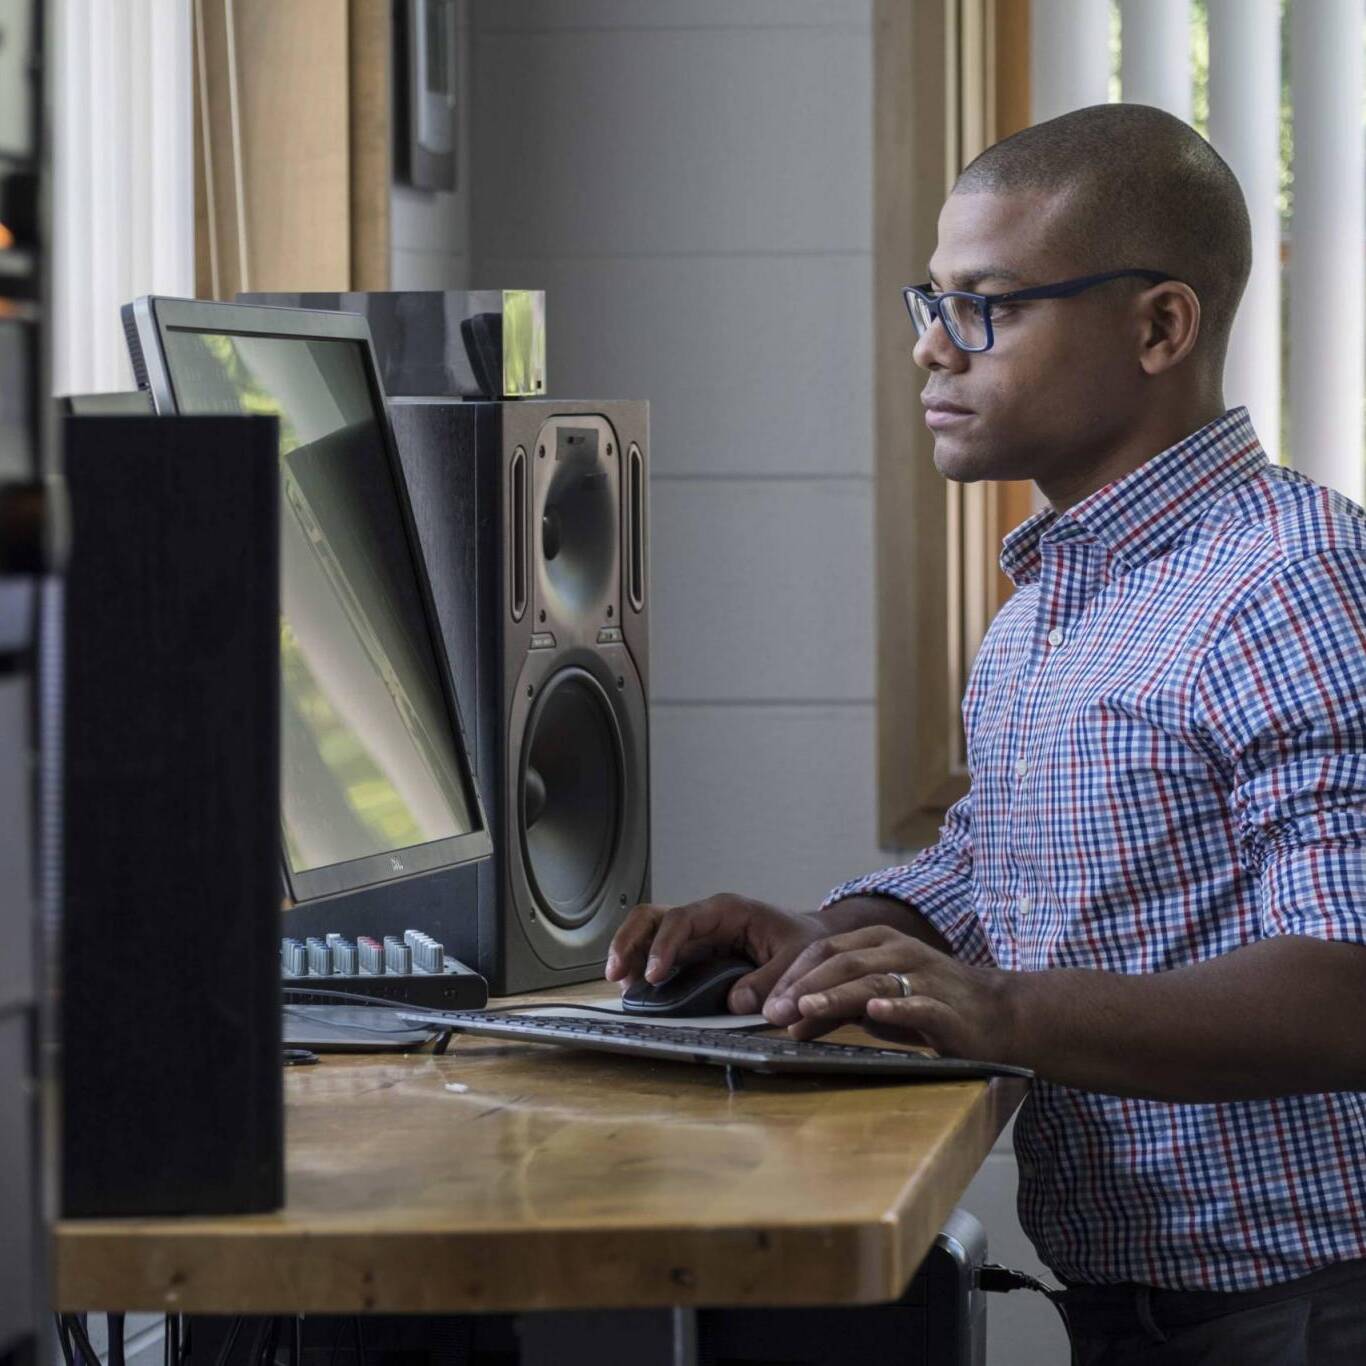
{"points": [[153, 316]]}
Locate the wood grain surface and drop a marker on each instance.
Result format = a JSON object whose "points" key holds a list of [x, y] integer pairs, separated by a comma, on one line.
{"points": [[508, 1176]]}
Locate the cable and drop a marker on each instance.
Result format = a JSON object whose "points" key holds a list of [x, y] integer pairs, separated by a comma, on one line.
{"points": [[346, 997], [1001, 1280], [229, 1342], [64, 1339], [273, 1340], [91, 1356], [206, 146], [235, 119], [258, 1346], [114, 1329]]}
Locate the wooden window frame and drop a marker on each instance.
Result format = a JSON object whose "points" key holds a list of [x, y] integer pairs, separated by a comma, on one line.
{"points": [[950, 77], [292, 157]]}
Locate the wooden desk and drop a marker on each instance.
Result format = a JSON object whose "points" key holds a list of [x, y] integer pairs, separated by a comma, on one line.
{"points": [[508, 1176]]}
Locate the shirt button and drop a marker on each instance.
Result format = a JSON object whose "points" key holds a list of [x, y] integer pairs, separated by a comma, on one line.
{"points": [[1055, 636], [1026, 904], [1021, 768]]}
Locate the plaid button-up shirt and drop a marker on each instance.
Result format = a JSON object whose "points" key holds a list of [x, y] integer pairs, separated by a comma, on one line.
{"points": [[1166, 730]]}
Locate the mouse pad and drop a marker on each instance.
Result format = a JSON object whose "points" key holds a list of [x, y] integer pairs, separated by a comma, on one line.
{"points": [[569, 1011]]}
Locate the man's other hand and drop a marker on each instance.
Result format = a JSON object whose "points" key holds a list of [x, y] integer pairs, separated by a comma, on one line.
{"points": [[959, 1010], [653, 940]]}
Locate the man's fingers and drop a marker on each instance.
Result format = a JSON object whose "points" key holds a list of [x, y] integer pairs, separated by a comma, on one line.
{"points": [[820, 952], [898, 1019], [927, 1019], [837, 969], [655, 939], [750, 992], [626, 957], [686, 933], [847, 1001], [822, 1011]]}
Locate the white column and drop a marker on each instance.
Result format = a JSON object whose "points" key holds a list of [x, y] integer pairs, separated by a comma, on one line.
{"points": [[1328, 242], [1069, 55], [123, 177], [1155, 54], [1244, 126]]}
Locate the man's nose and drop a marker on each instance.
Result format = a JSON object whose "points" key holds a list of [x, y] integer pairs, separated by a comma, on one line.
{"points": [[934, 351]]}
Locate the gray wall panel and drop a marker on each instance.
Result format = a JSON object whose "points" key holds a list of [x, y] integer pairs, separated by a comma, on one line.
{"points": [[428, 269], [763, 590], [754, 364], [428, 220], [771, 801], [502, 15], [611, 143]]}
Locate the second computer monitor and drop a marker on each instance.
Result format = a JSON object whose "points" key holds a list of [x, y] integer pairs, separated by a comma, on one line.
{"points": [[376, 783]]}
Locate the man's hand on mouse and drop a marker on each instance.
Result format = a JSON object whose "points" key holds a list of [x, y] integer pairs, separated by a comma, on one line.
{"points": [[959, 1010], [653, 940]]}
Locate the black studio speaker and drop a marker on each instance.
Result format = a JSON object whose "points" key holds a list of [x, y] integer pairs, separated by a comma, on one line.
{"points": [[170, 981], [533, 518]]}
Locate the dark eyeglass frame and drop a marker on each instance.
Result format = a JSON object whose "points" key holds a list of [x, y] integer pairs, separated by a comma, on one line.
{"points": [[1064, 289]]}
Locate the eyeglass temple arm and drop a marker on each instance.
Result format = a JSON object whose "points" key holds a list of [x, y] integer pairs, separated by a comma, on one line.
{"points": [[1065, 291]]}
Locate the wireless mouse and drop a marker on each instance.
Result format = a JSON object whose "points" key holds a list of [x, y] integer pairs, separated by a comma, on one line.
{"points": [[694, 989]]}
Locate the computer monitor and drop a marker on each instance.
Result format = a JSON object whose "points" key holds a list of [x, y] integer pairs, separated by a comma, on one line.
{"points": [[376, 784], [121, 403]]}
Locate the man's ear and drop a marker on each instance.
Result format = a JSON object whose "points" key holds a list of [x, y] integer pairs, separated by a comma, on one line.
{"points": [[1171, 325]]}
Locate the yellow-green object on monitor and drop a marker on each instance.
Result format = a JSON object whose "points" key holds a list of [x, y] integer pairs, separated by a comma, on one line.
{"points": [[523, 343]]}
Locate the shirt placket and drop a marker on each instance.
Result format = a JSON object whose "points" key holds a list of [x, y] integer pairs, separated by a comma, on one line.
{"points": [[1068, 577]]}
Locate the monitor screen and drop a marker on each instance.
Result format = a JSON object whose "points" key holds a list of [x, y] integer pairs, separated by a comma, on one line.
{"points": [[373, 769]]}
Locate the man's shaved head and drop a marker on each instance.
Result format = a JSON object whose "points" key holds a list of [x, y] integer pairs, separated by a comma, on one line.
{"points": [[1138, 188]]}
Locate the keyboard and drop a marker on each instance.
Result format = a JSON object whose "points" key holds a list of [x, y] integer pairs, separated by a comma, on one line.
{"points": [[719, 1047]]}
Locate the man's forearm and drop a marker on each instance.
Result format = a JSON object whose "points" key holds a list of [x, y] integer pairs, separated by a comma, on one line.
{"points": [[854, 912], [1277, 1017]]}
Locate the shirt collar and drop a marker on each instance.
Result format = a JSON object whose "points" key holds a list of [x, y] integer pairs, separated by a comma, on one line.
{"points": [[1141, 514]]}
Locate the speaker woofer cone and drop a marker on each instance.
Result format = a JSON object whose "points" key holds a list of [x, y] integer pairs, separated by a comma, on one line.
{"points": [[572, 782]]}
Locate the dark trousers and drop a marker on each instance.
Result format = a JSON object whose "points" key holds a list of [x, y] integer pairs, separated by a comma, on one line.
{"points": [[1317, 1320]]}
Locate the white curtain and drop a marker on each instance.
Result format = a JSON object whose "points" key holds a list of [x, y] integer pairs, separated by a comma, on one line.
{"points": [[1326, 389], [123, 177], [1327, 245]]}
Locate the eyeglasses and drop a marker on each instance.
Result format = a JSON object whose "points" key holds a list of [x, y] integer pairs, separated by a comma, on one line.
{"points": [[967, 317]]}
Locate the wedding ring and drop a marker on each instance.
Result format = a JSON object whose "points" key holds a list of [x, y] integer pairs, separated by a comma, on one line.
{"points": [[903, 982]]}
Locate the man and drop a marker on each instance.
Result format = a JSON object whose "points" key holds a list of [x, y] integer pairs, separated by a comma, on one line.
{"points": [[1154, 894]]}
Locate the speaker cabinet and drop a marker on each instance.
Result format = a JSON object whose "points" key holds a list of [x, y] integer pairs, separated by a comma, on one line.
{"points": [[533, 518], [170, 980]]}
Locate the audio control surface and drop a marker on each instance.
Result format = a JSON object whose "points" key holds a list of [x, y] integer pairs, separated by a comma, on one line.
{"points": [[411, 969]]}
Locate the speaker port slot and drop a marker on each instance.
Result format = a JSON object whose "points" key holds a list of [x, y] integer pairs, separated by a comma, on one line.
{"points": [[519, 546], [636, 550]]}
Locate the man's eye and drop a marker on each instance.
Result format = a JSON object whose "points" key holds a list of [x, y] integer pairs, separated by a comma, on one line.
{"points": [[1002, 311]]}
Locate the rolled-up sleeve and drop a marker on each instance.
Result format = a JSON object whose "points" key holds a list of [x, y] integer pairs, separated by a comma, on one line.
{"points": [[1283, 699], [937, 883]]}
